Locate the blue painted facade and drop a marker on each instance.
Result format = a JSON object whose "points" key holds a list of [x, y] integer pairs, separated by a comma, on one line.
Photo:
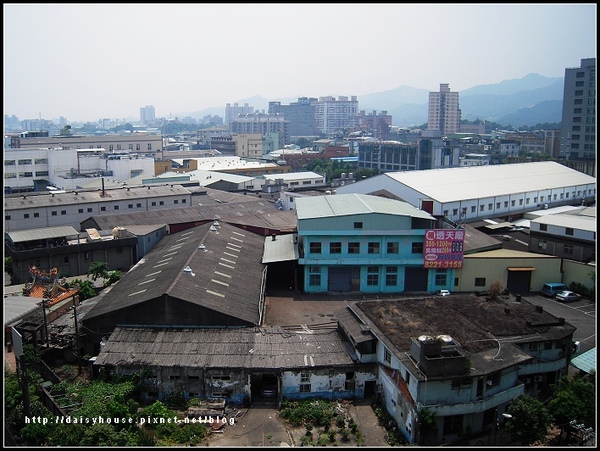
{"points": [[366, 244]]}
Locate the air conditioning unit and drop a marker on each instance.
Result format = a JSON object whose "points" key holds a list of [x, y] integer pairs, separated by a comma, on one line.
{"points": [[537, 379]]}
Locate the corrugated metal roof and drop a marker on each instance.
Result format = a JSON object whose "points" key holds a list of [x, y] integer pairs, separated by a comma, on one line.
{"points": [[507, 253], [280, 249], [568, 220], [229, 255], [85, 197], [354, 204], [270, 347], [586, 361], [42, 233], [476, 182]]}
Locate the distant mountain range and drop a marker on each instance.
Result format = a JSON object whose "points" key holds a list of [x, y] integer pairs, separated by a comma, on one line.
{"points": [[527, 101]]}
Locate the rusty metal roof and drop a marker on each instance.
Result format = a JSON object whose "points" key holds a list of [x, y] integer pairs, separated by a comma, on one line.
{"points": [[253, 348]]}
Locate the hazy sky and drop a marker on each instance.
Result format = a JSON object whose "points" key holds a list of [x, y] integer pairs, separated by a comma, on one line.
{"points": [[92, 61]]}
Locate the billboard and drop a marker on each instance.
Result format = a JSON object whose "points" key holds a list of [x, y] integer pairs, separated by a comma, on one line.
{"points": [[444, 248]]}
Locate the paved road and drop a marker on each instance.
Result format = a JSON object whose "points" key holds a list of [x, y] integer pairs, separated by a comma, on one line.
{"points": [[581, 314]]}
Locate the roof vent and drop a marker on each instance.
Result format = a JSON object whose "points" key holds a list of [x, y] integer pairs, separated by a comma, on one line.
{"points": [[425, 338], [446, 339], [188, 270]]}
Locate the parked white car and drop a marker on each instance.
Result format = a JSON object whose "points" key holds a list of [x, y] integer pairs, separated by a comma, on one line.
{"points": [[442, 292], [568, 296]]}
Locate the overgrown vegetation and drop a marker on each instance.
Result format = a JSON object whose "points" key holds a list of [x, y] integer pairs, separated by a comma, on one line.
{"points": [[324, 415], [124, 421], [589, 293]]}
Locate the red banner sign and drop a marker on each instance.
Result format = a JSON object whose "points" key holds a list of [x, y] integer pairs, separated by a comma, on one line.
{"points": [[444, 248]]}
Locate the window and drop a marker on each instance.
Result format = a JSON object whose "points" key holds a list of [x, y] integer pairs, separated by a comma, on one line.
{"points": [[354, 248], [391, 276], [25, 161], [417, 248], [7, 217], [568, 231], [162, 202], [392, 248], [520, 201], [314, 276], [36, 215], [63, 212], [315, 248], [387, 355], [80, 210], [89, 210], [335, 248], [26, 216], [153, 204], [497, 204], [461, 383], [183, 201], [149, 146], [358, 225], [481, 207], [176, 201], [86, 256], [544, 227], [490, 206], [102, 208], [373, 248], [473, 209], [304, 382], [193, 378], [10, 163], [440, 277], [138, 205], [372, 276], [512, 203], [41, 173], [116, 207], [455, 212], [480, 281], [26, 174], [568, 249], [54, 213], [221, 377], [453, 424]]}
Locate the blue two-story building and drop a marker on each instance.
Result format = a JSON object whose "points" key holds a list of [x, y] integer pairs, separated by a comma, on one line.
{"points": [[365, 243]]}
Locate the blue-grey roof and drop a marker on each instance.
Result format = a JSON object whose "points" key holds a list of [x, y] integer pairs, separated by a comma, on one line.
{"points": [[585, 362], [354, 204]]}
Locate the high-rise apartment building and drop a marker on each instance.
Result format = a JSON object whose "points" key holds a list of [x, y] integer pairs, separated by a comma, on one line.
{"points": [[578, 133], [333, 115], [262, 123], [147, 115], [444, 112], [300, 114], [232, 112]]}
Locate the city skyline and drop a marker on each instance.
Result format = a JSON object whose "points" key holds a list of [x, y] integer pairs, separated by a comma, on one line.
{"points": [[91, 61]]}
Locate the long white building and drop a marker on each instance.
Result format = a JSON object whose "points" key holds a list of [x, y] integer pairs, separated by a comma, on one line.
{"points": [[468, 194]]}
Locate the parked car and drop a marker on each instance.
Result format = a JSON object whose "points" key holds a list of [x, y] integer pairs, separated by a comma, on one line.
{"points": [[442, 293], [568, 296], [269, 386], [551, 289]]}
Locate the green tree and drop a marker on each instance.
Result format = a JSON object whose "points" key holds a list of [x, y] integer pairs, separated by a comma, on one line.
{"points": [[8, 265], [112, 277], [98, 269], [530, 420], [86, 289], [573, 400]]}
